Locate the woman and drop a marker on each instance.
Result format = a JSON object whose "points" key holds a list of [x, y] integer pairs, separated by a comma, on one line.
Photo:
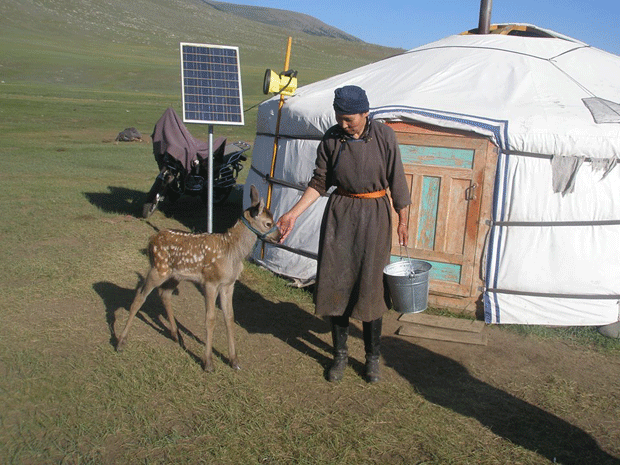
{"points": [[362, 159]]}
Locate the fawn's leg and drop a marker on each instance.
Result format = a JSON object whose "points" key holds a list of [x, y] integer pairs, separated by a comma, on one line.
{"points": [[152, 281], [165, 292], [226, 293], [210, 292]]}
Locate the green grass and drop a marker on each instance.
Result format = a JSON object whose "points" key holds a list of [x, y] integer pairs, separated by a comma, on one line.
{"points": [[72, 255], [585, 336]]}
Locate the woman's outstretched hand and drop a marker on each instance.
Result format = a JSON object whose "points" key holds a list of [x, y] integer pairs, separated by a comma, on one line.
{"points": [[286, 223]]}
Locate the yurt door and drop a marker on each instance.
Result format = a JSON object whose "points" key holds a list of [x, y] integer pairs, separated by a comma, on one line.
{"points": [[450, 179]]}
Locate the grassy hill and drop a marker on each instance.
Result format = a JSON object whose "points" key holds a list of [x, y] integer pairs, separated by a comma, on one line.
{"points": [[284, 19], [72, 75], [128, 52]]}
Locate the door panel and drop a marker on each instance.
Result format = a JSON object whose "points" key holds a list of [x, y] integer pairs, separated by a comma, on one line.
{"points": [[445, 175], [437, 156]]}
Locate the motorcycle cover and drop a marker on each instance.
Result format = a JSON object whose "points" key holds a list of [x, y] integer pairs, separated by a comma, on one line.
{"points": [[171, 136]]}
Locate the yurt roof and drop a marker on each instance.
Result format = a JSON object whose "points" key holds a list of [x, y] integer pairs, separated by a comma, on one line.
{"points": [[536, 91]]}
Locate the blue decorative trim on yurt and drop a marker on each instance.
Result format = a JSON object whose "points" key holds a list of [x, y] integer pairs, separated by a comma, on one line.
{"points": [[499, 128], [501, 173]]}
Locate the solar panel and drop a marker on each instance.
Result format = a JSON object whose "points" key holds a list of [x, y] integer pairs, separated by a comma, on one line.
{"points": [[211, 81]]}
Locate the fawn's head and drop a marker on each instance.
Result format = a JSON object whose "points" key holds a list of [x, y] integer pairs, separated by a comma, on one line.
{"points": [[259, 219]]}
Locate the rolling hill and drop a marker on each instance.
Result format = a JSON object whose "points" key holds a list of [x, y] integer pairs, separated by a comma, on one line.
{"points": [[40, 37], [126, 54], [290, 20]]}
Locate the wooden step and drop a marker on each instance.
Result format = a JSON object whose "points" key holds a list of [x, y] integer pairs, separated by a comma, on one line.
{"points": [[442, 328]]}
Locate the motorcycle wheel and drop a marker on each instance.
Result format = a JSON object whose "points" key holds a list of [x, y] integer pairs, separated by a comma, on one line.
{"points": [[148, 209], [153, 198]]}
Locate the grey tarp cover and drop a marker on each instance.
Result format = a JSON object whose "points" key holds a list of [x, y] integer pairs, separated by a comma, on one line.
{"points": [[171, 136]]}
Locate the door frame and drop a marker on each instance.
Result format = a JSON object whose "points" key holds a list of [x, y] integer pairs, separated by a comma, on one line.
{"points": [[482, 176]]}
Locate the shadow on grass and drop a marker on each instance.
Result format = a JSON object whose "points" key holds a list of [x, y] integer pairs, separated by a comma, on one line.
{"points": [[152, 313], [445, 382], [119, 200], [284, 320], [439, 379], [291, 324], [190, 211]]}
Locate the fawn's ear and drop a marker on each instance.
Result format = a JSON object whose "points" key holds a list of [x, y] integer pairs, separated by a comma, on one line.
{"points": [[256, 210], [254, 197]]}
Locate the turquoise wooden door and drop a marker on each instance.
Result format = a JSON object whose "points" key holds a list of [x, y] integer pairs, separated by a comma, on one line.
{"points": [[445, 176]]}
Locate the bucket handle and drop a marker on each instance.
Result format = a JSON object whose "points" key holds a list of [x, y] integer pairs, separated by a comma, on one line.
{"points": [[400, 252], [411, 270]]}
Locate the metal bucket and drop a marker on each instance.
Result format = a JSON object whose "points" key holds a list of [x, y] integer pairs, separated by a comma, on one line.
{"points": [[407, 281]]}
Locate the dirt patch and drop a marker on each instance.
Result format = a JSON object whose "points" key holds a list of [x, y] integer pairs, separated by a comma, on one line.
{"points": [[554, 387], [519, 388], [516, 387]]}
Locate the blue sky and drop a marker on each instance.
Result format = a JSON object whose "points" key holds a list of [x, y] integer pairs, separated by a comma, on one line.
{"points": [[409, 23]]}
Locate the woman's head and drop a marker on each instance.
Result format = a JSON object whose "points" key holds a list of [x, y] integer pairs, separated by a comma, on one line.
{"points": [[351, 107], [353, 125]]}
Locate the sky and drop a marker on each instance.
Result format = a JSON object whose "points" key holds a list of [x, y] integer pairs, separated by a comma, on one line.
{"points": [[409, 23]]}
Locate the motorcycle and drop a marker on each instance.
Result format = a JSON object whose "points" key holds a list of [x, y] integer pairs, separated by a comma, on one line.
{"points": [[183, 164]]}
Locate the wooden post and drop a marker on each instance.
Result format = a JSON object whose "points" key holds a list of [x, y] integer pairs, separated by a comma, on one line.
{"points": [[277, 135], [274, 157]]}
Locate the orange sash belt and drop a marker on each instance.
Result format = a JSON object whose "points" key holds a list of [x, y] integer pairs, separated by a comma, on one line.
{"points": [[365, 195]]}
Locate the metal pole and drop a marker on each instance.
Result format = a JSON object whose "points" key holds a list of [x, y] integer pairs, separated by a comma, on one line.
{"points": [[210, 184], [484, 23]]}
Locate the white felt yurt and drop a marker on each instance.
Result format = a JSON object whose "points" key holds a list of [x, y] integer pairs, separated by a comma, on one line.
{"points": [[509, 141]]}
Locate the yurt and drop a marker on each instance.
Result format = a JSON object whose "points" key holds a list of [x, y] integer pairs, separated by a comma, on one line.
{"points": [[510, 142]]}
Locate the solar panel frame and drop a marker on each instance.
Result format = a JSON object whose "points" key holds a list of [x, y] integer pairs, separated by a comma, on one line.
{"points": [[211, 84]]}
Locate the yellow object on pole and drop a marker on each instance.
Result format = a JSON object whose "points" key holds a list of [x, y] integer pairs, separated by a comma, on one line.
{"points": [[277, 136], [283, 84], [274, 157]]}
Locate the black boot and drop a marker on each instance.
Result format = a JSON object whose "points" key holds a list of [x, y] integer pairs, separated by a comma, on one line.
{"points": [[372, 342], [340, 331]]}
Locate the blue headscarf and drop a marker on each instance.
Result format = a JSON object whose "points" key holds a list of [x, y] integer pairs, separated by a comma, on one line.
{"points": [[350, 100]]}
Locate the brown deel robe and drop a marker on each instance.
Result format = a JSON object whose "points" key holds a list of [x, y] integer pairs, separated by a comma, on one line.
{"points": [[356, 234]]}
